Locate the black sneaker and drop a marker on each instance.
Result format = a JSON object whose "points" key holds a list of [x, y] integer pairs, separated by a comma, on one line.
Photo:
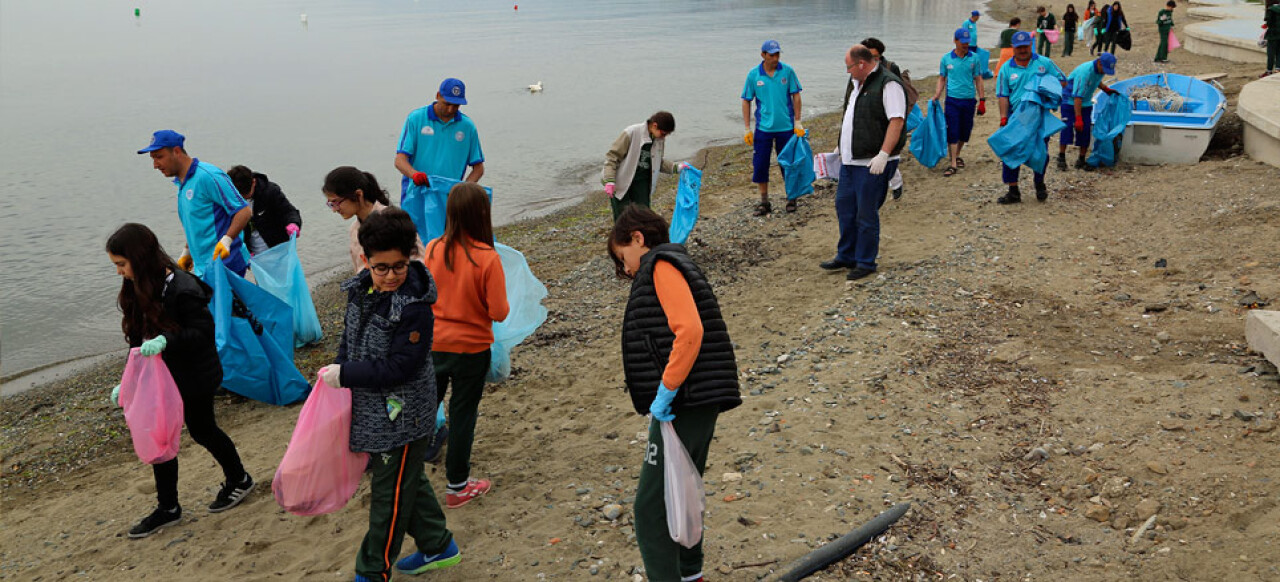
{"points": [[834, 265], [1042, 192], [156, 522], [1062, 162], [858, 273], [1013, 197], [231, 495], [897, 193], [437, 445], [1081, 164]]}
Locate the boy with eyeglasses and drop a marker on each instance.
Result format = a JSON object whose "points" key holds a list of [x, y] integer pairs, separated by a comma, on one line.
{"points": [[384, 359]]}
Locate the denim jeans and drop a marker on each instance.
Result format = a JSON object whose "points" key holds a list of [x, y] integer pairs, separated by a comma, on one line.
{"points": [[859, 195]]}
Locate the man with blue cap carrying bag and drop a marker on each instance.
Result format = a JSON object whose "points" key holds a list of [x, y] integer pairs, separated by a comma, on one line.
{"points": [[1077, 107], [775, 89], [438, 140], [211, 209], [960, 82], [1020, 74]]}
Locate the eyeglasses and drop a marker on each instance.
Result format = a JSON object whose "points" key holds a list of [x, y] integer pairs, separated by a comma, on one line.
{"points": [[334, 203], [381, 269]]}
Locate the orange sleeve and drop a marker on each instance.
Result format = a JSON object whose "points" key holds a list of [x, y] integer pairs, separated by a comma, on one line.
{"points": [[496, 290], [682, 317]]}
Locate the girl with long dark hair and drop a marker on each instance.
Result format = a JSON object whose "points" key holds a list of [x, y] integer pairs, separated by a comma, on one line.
{"points": [[166, 313]]}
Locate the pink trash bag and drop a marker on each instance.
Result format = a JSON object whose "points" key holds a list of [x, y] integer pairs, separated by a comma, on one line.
{"points": [[1174, 43], [319, 473], [152, 407]]}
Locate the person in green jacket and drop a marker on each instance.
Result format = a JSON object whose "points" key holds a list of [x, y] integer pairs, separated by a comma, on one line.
{"points": [[1271, 22], [1164, 21]]}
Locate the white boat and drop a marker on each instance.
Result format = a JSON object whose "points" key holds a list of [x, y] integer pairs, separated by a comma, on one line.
{"points": [[1176, 131]]}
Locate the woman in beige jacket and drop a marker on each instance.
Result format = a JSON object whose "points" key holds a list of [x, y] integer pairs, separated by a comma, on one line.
{"points": [[632, 164]]}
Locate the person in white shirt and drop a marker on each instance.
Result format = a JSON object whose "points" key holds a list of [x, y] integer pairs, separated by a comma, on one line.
{"points": [[870, 143]]}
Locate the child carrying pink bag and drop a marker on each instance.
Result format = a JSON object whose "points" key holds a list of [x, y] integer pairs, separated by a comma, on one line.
{"points": [[319, 473], [152, 408]]}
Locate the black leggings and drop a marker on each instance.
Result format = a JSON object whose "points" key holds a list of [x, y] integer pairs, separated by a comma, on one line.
{"points": [[197, 412]]}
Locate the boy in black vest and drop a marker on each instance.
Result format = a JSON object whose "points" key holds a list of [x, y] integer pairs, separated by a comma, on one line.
{"points": [[679, 367]]}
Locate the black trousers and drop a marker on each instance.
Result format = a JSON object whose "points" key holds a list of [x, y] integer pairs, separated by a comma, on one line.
{"points": [[197, 412]]}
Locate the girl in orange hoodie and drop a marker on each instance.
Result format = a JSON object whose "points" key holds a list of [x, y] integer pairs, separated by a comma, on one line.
{"points": [[472, 295]]}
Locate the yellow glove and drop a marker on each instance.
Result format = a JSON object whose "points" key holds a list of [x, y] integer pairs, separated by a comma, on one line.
{"points": [[223, 249], [800, 130], [184, 261], [749, 137]]}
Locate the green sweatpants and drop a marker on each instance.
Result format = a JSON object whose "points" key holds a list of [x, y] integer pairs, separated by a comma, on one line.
{"points": [[462, 376], [401, 502], [665, 560]]}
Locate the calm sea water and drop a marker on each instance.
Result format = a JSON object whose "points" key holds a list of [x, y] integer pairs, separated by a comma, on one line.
{"points": [[83, 85]]}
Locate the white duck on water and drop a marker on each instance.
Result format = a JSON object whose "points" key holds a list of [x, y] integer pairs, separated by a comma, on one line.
{"points": [[536, 87]]}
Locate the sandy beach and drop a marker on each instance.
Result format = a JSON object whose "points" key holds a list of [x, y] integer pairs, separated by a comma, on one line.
{"points": [[1024, 376]]}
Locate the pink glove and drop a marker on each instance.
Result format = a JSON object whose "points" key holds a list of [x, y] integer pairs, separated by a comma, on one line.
{"points": [[608, 189], [292, 229], [420, 179]]}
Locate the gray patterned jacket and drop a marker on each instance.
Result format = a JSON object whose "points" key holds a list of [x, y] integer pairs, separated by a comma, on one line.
{"points": [[385, 352]]}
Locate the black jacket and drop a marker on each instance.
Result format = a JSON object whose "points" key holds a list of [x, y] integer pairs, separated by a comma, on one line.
{"points": [[386, 351], [190, 352], [271, 211], [647, 339]]}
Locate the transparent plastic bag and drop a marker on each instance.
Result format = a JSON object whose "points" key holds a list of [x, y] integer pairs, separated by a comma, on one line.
{"points": [[319, 473], [682, 490], [524, 295], [279, 271], [152, 407]]}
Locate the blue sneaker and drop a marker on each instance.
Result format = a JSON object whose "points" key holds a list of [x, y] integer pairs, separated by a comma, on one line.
{"points": [[360, 578], [418, 562]]}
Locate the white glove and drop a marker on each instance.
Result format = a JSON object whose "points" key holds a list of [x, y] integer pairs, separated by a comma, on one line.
{"points": [[332, 375], [878, 163], [223, 249], [682, 166]]}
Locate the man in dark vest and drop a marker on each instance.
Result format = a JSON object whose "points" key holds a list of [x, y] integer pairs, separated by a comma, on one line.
{"points": [[870, 141]]}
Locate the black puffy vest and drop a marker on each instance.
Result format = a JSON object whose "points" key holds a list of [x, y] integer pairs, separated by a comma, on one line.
{"points": [[647, 339]]}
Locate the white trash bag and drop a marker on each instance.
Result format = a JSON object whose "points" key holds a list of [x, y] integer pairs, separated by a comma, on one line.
{"points": [[682, 489]]}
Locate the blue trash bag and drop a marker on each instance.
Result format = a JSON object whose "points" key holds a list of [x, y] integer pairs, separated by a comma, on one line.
{"points": [[1032, 121], [796, 161], [426, 205], [984, 62], [524, 295], [929, 141], [685, 214], [1111, 115], [253, 332], [279, 271], [914, 118]]}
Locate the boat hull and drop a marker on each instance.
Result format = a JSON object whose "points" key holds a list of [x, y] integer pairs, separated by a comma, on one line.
{"points": [[1154, 144]]}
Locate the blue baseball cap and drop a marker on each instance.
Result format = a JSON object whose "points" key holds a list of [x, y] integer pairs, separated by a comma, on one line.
{"points": [[975, 13], [1108, 62], [962, 35], [168, 138], [771, 46], [453, 91], [1021, 38]]}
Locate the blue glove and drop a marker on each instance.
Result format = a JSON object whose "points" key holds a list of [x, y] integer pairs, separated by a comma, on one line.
{"points": [[154, 345], [661, 407]]}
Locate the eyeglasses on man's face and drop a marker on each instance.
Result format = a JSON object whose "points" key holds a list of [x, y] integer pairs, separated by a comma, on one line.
{"points": [[381, 269]]}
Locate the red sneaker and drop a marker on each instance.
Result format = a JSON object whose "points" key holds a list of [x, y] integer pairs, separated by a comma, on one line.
{"points": [[474, 489]]}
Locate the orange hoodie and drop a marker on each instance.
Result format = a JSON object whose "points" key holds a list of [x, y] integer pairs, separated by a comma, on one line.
{"points": [[469, 298]]}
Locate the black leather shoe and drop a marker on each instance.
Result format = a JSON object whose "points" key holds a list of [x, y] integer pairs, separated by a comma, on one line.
{"points": [[858, 273], [1042, 192], [1013, 197], [834, 265]]}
